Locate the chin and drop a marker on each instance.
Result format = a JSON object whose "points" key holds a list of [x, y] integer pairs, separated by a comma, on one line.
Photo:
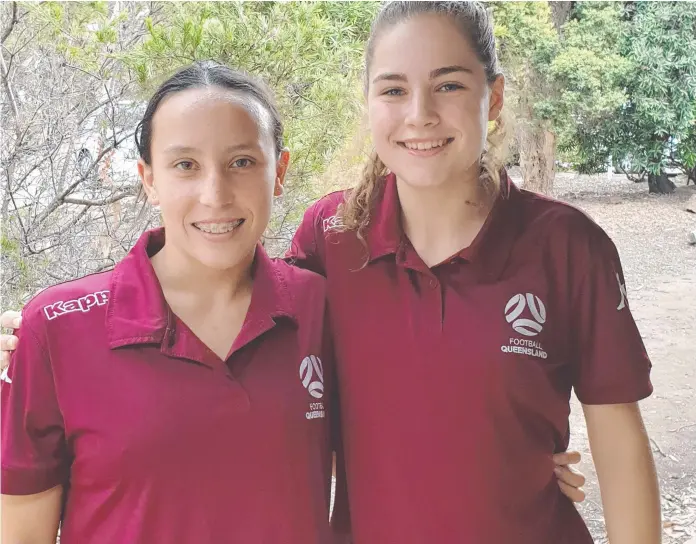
{"points": [[222, 259], [423, 178]]}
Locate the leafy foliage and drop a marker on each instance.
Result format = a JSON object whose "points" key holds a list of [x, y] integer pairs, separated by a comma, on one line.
{"points": [[661, 44], [591, 75]]}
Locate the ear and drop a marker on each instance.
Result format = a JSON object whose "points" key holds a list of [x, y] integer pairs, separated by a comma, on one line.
{"points": [[146, 178], [281, 169], [497, 98]]}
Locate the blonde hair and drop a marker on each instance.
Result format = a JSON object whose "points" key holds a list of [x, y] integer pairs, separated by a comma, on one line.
{"points": [[476, 24]]}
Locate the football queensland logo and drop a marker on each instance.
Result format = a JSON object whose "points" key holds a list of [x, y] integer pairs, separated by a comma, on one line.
{"points": [[311, 367], [527, 315], [515, 314], [312, 376]]}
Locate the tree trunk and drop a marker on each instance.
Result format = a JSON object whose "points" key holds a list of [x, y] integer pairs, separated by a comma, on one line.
{"points": [[560, 11], [660, 184], [550, 154], [537, 158]]}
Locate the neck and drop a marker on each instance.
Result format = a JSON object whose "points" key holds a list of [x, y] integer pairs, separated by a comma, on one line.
{"points": [[441, 221], [181, 275]]}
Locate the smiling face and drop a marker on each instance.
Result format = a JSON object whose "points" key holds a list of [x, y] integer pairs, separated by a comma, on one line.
{"points": [[214, 170], [429, 101]]}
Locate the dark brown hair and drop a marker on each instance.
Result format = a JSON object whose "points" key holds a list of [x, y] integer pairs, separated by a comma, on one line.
{"points": [[208, 74]]}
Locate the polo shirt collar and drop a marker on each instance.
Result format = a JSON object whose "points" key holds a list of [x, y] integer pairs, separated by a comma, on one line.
{"points": [[384, 233], [490, 250], [137, 312]]}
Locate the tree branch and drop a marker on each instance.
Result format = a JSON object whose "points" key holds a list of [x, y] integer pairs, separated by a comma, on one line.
{"points": [[631, 177], [6, 33], [101, 202], [6, 74], [60, 199]]}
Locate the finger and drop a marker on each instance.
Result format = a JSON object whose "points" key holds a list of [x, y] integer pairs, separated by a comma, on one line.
{"points": [[8, 342], [567, 458], [573, 493], [11, 320], [4, 360], [570, 477]]}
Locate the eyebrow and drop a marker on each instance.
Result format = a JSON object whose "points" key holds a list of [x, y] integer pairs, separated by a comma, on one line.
{"points": [[438, 72], [175, 149]]}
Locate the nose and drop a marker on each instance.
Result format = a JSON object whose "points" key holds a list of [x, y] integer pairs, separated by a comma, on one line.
{"points": [[216, 190], [421, 110]]}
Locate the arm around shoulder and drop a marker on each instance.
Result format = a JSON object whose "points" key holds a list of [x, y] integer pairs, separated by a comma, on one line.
{"points": [[31, 519]]}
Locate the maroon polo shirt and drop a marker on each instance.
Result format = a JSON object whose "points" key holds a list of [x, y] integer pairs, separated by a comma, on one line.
{"points": [[455, 379], [157, 438]]}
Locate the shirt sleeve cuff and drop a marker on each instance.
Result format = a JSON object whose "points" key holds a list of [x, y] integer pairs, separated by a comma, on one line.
{"points": [[620, 394], [28, 481]]}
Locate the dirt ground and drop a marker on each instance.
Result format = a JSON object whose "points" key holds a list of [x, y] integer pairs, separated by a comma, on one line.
{"points": [[660, 268]]}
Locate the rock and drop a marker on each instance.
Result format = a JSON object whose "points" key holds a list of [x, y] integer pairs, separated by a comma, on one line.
{"points": [[691, 204]]}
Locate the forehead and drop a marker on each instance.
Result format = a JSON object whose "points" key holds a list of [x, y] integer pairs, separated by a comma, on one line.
{"points": [[211, 112], [422, 43]]}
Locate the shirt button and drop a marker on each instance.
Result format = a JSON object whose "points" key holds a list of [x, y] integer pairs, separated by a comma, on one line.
{"points": [[433, 283]]}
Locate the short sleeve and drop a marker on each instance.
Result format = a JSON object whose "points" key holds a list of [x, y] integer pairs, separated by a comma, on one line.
{"points": [[34, 453], [612, 364], [304, 251]]}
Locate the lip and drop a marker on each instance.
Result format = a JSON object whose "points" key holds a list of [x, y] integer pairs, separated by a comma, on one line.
{"points": [[424, 152], [218, 237], [425, 140], [213, 221]]}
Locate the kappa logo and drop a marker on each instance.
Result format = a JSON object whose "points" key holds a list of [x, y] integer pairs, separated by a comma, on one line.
{"points": [[83, 304], [332, 223], [515, 308]]}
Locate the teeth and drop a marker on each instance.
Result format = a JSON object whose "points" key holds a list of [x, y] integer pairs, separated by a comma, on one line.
{"points": [[424, 146], [218, 228]]}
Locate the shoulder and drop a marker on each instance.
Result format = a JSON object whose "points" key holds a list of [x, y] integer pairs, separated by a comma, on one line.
{"points": [[302, 284], [560, 223], [72, 298], [324, 212]]}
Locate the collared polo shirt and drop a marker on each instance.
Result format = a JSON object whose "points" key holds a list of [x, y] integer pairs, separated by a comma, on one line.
{"points": [[155, 437], [455, 379]]}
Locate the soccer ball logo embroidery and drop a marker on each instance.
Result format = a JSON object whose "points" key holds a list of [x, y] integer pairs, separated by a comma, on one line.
{"points": [[515, 314], [312, 376]]}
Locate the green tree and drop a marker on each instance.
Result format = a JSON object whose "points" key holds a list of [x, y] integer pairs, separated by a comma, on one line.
{"points": [[684, 155], [528, 43], [661, 44], [590, 75]]}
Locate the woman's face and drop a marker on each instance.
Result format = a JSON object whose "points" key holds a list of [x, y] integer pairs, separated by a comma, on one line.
{"points": [[214, 171], [429, 101]]}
